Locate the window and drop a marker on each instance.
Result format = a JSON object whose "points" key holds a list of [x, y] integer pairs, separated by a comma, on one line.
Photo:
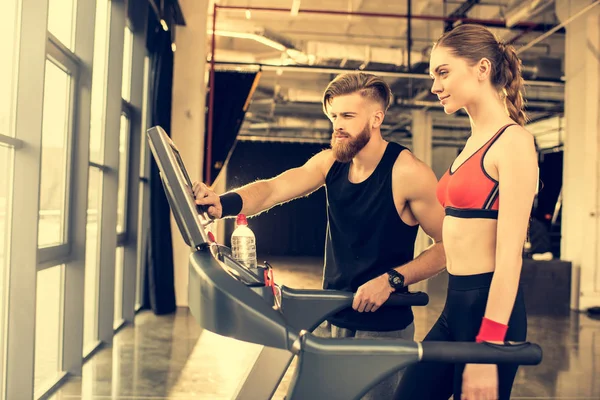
{"points": [[123, 173], [6, 169], [48, 326], [90, 313], [143, 196], [61, 20], [141, 256], [127, 60], [125, 131], [9, 46], [55, 156], [55, 126], [119, 261], [95, 188], [99, 81], [6, 173]]}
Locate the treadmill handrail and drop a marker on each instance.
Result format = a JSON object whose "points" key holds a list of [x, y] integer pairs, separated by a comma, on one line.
{"points": [[395, 299], [364, 362], [307, 308], [524, 353]]}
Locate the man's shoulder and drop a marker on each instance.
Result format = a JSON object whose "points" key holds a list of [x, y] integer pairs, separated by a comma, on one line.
{"points": [[407, 163], [410, 170], [325, 155], [322, 158], [322, 161]]}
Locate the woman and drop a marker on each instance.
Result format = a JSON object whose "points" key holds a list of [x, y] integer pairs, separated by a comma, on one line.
{"points": [[487, 193]]}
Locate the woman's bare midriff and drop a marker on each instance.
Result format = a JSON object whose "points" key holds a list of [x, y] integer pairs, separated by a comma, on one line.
{"points": [[470, 245]]}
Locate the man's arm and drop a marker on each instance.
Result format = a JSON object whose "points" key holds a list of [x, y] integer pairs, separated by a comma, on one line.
{"points": [[261, 195], [419, 189]]}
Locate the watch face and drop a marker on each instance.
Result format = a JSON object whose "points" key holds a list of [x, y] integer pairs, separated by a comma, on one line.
{"points": [[396, 280]]}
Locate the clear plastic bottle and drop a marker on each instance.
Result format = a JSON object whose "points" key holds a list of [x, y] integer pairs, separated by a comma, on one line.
{"points": [[243, 243]]}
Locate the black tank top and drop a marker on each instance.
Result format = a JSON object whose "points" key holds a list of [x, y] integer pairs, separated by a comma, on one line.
{"points": [[365, 238]]}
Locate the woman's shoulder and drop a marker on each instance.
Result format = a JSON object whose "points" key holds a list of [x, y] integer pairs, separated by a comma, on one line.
{"points": [[517, 133], [514, 139]]}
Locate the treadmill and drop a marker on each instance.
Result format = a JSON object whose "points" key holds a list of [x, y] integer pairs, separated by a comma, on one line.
{"points": [[231, 300]]}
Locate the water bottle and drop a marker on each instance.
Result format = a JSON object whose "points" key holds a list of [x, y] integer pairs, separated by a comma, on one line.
{"points": [[243, 243]]}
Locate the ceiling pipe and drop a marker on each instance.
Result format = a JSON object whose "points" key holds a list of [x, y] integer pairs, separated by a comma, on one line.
{"points": [[396, 38], [336, 70], [495, 23], [391, 38]]}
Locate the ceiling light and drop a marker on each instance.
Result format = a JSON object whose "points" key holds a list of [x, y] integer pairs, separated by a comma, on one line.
{"points": [[253, 36], [295, 8]]}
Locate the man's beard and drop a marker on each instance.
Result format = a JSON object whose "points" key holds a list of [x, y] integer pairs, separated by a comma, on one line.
{"points": [[346, 150]]}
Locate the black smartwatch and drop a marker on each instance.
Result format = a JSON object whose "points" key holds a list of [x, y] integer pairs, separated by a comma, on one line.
{"points": [[396, 280]]}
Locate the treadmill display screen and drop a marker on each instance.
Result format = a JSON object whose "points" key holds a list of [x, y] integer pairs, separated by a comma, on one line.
{"points": [[178, 188]]}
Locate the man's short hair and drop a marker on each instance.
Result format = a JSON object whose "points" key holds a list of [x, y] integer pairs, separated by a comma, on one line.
{"points": [[367, 85]]}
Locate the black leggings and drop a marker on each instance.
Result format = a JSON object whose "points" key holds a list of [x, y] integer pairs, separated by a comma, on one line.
{"points": [[460, 321]]}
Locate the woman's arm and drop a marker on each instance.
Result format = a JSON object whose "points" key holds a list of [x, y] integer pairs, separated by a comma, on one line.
{"points": [[518, 175]]}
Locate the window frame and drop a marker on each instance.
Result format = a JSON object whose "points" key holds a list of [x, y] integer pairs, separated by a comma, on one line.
{"points": [[67, 61]]}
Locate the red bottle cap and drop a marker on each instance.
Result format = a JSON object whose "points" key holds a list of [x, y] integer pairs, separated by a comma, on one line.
{"points": [[241, 220]]}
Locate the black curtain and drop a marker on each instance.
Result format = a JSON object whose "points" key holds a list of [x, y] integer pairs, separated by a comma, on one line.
{"points": [[159, 282], [296, 228], [551, 167], [232, 90]]}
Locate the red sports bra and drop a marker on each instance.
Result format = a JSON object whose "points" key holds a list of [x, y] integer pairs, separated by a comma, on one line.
{"points": [[469, 192]]}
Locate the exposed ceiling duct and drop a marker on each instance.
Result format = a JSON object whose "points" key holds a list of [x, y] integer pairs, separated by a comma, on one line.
{"points": [[524, 10], [357, 56], [299, 49], [543, 68]]}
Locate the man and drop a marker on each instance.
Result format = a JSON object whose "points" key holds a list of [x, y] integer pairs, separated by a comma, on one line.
{"points": [[378, 194]]}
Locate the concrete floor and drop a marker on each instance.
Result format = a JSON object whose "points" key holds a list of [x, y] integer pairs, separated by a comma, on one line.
{"points": [[170, 357]]}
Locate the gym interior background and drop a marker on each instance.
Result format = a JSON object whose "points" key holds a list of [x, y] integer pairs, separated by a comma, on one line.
{"points": [[93, 272]]}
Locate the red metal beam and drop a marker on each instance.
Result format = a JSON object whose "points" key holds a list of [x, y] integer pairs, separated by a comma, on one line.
{"points": [[211, 103]]}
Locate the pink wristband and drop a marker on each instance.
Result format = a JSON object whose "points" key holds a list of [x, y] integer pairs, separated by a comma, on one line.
{"points": [[491, 331]]}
